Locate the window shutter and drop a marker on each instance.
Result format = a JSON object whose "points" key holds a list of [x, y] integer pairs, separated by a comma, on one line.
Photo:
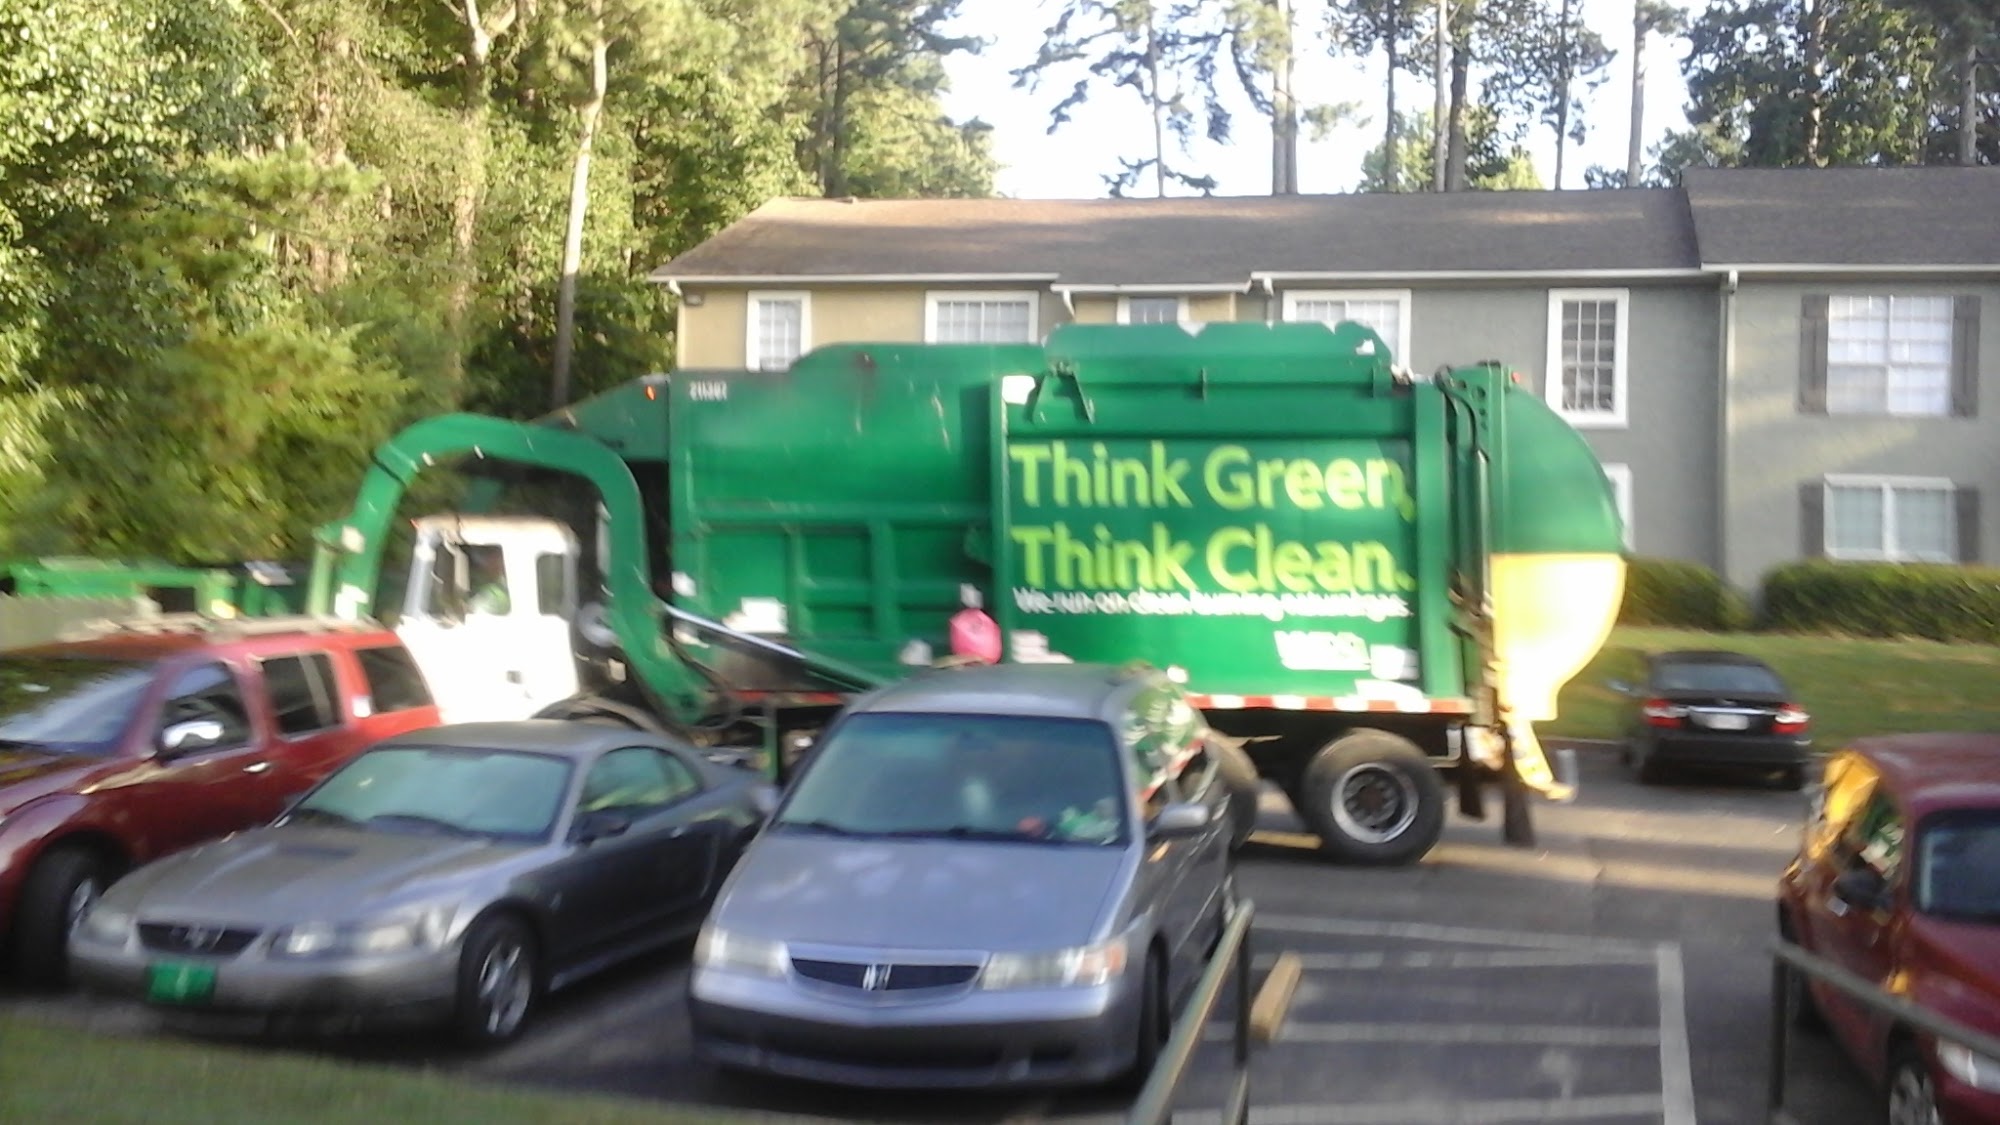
{"points": [[1965, 357], [1812, 353], [1967, 500], [1812, 519]]}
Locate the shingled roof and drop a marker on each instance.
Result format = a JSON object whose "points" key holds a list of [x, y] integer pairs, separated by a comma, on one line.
{"points": [[1945, 216], [1941, 216], [1198, 240]]}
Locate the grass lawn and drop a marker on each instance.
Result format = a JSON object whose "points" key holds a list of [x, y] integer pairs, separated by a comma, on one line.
{"points": [[50, 1074], [1851, 686]]}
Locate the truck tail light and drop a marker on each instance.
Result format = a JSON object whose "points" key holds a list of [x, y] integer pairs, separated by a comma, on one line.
{"points": [[1790, 719], [1662, 713]]}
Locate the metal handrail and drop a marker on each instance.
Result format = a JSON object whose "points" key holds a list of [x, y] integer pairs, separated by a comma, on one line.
{"points": [[1155, 1104], [1788, 957]]}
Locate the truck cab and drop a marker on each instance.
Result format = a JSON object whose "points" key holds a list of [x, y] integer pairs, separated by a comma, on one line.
{"points": [[487, 613]]}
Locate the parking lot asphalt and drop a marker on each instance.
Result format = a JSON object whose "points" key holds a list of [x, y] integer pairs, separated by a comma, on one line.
{"points": [[1616, 973]]}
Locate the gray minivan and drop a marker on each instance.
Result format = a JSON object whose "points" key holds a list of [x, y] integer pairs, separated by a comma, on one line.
{"points": [[982, 876]]}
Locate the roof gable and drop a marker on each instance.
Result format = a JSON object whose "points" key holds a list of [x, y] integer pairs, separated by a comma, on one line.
{"points": [[1932, 216]]}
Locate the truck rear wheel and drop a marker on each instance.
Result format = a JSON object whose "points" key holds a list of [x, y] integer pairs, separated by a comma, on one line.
{"points": [[1239, 774], [1373, 798]]}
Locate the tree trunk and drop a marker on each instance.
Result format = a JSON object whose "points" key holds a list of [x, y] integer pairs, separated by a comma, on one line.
{"points": [[836, 170], [1391, 170], [1635, 140], [1815, 57], [471, 188], [1441, 75], [579, 204], [1564, 81], [1968, 106], [1284, 113], [1461, 60], [1158, 106]]}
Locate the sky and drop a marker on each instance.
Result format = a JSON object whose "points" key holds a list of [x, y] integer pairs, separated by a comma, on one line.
{"points": [[1070, 163]]}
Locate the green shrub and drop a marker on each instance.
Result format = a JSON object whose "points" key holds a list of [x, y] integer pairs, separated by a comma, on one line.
{"points": [[1680, 595], [1941, 602]]}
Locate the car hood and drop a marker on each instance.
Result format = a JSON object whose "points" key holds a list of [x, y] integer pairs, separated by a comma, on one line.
{"points": [[275, 876], [921, 894], [26, 774], [1963, 963]]}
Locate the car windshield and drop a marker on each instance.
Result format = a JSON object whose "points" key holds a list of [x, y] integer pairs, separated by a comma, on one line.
{"points": [[501, 794], [75, 705], [1718, 677], [987, 777], [1959, 867]]}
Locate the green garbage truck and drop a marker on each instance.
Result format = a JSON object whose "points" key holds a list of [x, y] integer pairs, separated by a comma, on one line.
{"points": [[1372, 583]]}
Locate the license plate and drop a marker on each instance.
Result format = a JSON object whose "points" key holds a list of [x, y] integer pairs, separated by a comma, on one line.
{"points": [[1726, 722], [180, 984]]}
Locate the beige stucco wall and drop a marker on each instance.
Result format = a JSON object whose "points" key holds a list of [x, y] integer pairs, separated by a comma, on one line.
{"points": [[1773, 448], [714, 333]]}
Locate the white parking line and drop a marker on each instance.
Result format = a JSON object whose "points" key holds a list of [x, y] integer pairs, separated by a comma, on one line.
{"points": [[1525, 959], [1676, 1068], [1448, 1034], [1425, 931], [1505, 1111]]}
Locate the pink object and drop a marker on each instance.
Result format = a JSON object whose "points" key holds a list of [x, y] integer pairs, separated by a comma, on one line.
{"points": [[975, 634]]}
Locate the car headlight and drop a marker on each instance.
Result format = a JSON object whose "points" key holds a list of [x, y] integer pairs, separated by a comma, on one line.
{"points": [[403, 933], [107, 924], [1968, 1066], [1081, 967], [720, 949]]}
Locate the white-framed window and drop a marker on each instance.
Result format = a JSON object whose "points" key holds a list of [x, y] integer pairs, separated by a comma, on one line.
{"points": [[777, 329], [981, 317], [1893, 519], [1621, 490], [1889, 355], [1387, 311], [1587, 356], [1152, 310]]}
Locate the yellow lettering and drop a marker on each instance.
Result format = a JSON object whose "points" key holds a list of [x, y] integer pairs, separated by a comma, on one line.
{"points": [[1335, 573], [1229, 489], [1167, 478], [1269, 473], [1072, 477], [1074, 566], [1345, 484], [1386, 487], [1294, 565], [1304, 485], [1219, 546], [1128, 483], [1374, 556], [1170, 559], [1031, 458], [1032, 540]]}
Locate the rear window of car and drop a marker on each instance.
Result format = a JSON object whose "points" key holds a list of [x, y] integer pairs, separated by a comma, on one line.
{"points": [[303, 693], [394, 683], [1718, 676]]}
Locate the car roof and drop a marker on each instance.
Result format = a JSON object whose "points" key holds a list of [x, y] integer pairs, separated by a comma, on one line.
{"points": [[560, 738], [1938, 771], [173, 634], [1706, 656], [1067, 691]]}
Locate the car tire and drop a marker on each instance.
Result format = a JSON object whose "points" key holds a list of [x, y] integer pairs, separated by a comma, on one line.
{"points": [[1911, 1097], [59, 888], [1373, 798], [499, 981], [1646, 770], [1156, 1024], [1800, 1007], [1793, 778], [1239, 775]]}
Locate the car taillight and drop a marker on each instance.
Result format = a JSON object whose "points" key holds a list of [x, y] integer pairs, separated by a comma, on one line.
{"points": [[1790, 719], [1661, 713]]}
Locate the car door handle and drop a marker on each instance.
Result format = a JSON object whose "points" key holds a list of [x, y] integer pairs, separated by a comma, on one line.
{"points": [[257, 767], [1836, 907], [677, 833]]}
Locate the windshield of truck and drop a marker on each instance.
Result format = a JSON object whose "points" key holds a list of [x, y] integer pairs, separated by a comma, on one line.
{"points": [[75, 705], [1958, 869], [977, 777]]}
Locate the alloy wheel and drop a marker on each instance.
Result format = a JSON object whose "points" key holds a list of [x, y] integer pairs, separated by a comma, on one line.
{"points": [[1374, 803]]}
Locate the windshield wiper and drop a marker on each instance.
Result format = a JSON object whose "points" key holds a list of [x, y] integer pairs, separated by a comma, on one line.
{"points": [[826, 826], [423, 821], [23, 744], [327, 815], [967, 832]]}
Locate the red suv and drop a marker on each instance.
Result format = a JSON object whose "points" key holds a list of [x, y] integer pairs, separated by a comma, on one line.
{"points": [[151, 737], [1898, 881]]}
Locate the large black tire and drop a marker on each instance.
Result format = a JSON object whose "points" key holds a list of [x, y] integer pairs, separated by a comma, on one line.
{"points": [[1156, 1025], [60, 887], [1246, 789], [1373, 798], [499, 981]]}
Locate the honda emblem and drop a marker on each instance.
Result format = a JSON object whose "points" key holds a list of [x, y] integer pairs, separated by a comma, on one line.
{"points": [[875, 978]]}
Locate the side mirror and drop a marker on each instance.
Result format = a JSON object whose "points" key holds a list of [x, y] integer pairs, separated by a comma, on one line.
{"points": [[599, 824], [190, 735], [1184, 819], [1863, 887]]}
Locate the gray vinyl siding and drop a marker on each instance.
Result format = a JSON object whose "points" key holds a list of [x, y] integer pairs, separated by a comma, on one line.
{"points": [[1670, 438], [1775, 447]]}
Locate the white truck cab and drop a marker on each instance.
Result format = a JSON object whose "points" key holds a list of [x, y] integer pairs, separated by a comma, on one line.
{"points": [[487, 613]]}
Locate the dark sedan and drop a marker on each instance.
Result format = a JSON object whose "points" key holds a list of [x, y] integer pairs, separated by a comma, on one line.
{"points": [[454, 874], [1715, 709]]}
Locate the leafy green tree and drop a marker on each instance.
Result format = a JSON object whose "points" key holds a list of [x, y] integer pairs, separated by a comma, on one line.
{"points": [[1395, 28], [1493, 163]]}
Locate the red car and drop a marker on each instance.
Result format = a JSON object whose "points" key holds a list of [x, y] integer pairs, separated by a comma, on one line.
{"points": [[150, 738], [1898, 881]]}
